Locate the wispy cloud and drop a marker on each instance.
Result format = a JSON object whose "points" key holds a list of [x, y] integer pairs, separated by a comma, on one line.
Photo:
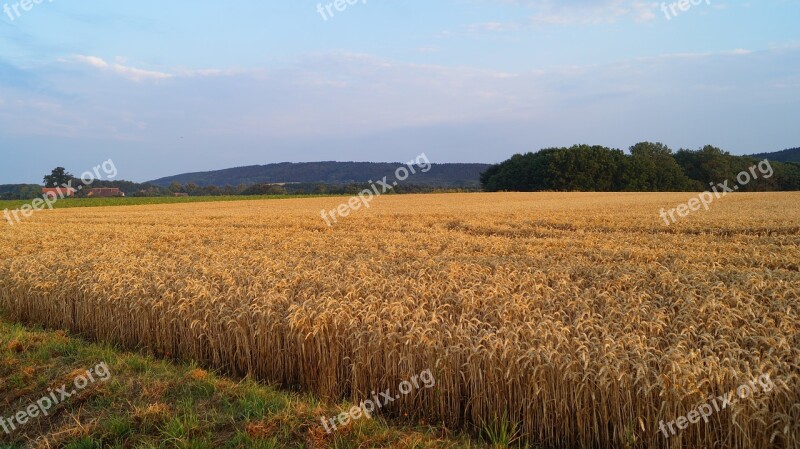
{"points": [[574, 12], [130, 73], [306, 99]]}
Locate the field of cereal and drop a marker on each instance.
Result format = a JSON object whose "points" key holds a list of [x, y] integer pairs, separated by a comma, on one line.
{"points": [[580, 319]]}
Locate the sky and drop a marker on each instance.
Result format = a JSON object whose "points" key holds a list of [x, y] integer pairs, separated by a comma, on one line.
{"points": [[163, 88]]}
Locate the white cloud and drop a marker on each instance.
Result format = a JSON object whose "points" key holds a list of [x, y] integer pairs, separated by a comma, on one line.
{"points": [[336, 99], [92, 61], [574, 12], [130, 73]]}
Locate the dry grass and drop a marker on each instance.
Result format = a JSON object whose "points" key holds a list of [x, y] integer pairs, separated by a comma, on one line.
{"points": [[581, 317]]}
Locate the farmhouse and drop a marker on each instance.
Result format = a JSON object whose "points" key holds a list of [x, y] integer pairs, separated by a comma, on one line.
{"points": [[104, 192], [58, 192]]}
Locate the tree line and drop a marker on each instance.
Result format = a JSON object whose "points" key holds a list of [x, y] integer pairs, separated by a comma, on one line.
{"points": [[649, 167], [61, 177]]}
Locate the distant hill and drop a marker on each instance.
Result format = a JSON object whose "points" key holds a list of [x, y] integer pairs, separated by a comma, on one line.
{"points": [[439, 175], [790, 155], [7, 188]]}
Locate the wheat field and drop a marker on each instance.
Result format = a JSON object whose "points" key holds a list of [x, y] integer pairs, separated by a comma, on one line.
{"points": [[580, 319]]}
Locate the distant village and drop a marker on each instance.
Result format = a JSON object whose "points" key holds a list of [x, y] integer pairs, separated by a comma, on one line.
{"points": [[99, 192]]}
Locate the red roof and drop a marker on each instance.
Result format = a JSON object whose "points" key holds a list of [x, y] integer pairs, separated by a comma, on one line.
{"points": [[104, 192]]}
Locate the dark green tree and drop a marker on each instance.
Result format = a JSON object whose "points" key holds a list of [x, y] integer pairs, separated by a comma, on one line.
{"points": [[652, 168], [708, 164], [58, 177]]}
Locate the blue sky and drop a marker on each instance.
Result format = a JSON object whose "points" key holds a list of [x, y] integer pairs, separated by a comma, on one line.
{"points": [[171, 87]]}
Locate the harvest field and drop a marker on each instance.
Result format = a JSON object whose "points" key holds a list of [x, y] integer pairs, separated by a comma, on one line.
{"points": [[580, 320], [66, 203]]}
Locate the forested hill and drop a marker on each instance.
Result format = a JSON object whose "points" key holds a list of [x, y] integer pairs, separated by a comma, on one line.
{"points": [[790, 155], [439, 175]]}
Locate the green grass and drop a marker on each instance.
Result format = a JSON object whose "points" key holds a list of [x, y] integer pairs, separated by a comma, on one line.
{"points": [[67, 203], [152, 403]]}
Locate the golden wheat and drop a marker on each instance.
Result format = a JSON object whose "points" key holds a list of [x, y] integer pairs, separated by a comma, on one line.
{"points": [[582, 317]]}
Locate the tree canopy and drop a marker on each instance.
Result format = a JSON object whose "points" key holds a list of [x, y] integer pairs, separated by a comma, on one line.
{"points": [[650, 167], [58, 177]]}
